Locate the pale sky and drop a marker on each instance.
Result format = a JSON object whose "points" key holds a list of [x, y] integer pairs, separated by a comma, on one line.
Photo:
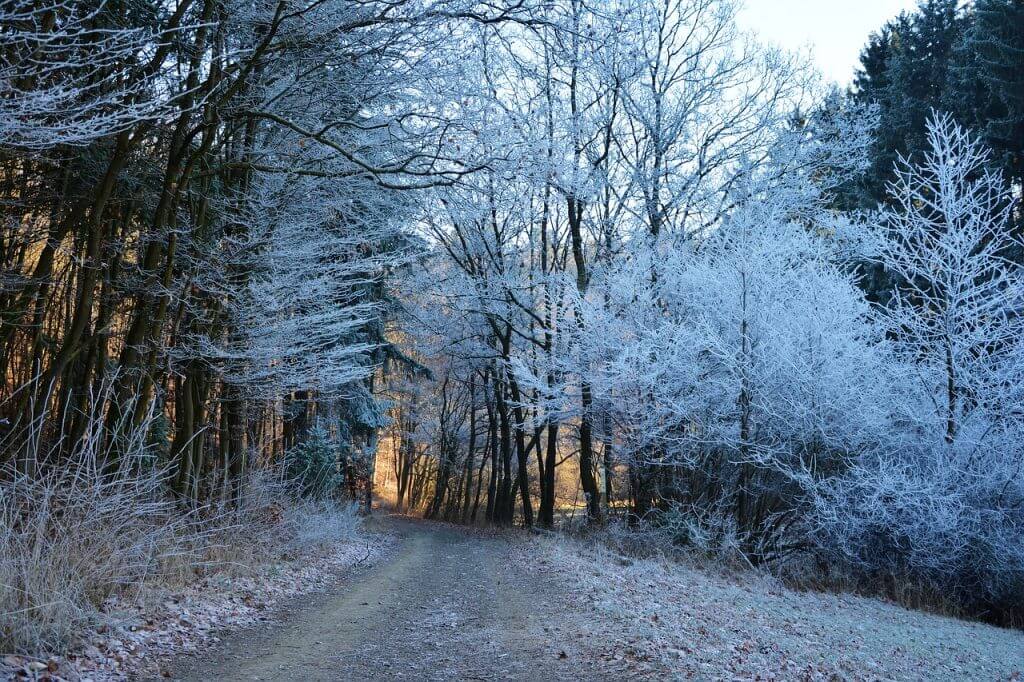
{"points": [[835, 30]]}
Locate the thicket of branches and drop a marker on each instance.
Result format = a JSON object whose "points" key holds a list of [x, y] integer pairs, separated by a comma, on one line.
{"points": [[649, 305]]}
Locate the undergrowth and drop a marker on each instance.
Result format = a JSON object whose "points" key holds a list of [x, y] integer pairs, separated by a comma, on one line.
{"points": [[73, 537]]}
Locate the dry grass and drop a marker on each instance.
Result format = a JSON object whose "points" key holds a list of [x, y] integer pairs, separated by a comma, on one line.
{"points": [[72, 538], [79, 531]]}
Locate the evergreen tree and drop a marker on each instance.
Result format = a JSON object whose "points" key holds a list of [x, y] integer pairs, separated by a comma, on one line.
{"points": [[312, 466], [905, 70], [987, 92]]}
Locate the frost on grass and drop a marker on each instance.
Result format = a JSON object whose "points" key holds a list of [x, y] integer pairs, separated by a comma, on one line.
{"points": [[146, 635], [679, 620]]}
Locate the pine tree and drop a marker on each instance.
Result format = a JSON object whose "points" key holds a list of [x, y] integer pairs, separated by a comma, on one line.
{"points": [[905, 70], [987, 92]]}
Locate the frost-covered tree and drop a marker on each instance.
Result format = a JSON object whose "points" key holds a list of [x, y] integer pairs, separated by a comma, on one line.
{"points": [[316, 255], [76, 72], [700, 98], [749, 364], [942, 500], [697, 330], [955, 311]]}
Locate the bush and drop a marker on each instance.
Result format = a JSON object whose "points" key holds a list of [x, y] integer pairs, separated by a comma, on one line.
{"points": [[313, 523], [946, 523]]}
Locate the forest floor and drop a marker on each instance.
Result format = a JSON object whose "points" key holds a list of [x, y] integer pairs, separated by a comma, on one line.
{"points": [[448, 602]]}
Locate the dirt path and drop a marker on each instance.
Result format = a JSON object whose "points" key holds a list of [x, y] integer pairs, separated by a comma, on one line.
{"points": [[448, 604], [451, 603]]}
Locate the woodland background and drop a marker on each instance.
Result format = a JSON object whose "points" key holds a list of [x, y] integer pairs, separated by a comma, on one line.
{"points": [[550, 263]]}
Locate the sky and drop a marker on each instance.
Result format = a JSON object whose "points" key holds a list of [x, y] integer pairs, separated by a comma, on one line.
{"points": [[835, 30]]}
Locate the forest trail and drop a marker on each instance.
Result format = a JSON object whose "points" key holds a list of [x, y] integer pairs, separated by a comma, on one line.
{"points": [[455, 603], [447, 604]]}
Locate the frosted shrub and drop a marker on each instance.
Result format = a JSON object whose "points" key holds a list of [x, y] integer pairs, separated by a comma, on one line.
{"points": [[320, 522], [950, 523]]}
